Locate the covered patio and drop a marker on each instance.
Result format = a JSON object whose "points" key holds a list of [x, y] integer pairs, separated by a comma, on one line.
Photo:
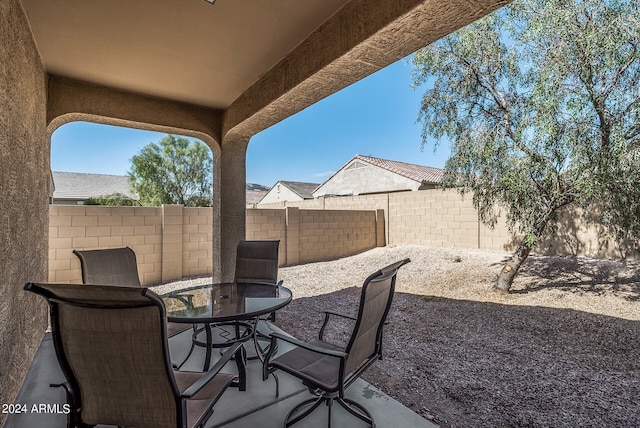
{"points": [[219, 72], [257, 406]]}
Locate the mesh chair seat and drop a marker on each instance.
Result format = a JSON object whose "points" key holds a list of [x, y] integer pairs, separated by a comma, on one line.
{"points": [[314, 370], [111, 343], [326, 369]]}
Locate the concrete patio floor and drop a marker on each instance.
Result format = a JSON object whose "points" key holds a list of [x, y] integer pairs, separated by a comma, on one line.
{"points": [[256, 407]]}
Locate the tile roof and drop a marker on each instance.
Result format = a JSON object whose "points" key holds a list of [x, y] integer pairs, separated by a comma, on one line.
{"points": [[75, 185], [302, 189], [419, 173]]}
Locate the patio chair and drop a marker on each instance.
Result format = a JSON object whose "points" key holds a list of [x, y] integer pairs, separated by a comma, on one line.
{"points": [[257, 261], [112, 346], [116, 266], [327, 369]]}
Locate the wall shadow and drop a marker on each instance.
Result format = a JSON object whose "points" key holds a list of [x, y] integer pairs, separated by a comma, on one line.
{"points": [[481, 364], [578, 275]]}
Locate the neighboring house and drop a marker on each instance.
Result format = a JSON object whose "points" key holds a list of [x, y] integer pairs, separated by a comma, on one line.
{"points": [[289, 191], [74, 188], [367, 174], [255, 192]]}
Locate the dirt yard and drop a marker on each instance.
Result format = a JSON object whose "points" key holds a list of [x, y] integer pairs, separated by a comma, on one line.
{"points": [[561, 350]]}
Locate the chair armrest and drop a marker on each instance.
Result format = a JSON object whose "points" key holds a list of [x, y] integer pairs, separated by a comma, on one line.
{"points": [[339, 314], [326, 321], [193, 389]]}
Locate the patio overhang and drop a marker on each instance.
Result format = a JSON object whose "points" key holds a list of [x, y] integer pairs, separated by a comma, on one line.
{"points": [[257, 62]]}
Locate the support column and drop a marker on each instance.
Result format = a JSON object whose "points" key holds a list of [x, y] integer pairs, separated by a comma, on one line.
{"points": [[233, 201]]}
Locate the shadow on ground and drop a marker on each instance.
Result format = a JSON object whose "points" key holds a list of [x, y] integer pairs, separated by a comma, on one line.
{"points": [[578, 275], [476, 364]]}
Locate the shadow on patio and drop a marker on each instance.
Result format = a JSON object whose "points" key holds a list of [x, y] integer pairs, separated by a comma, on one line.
{"points": [[258, 406]]}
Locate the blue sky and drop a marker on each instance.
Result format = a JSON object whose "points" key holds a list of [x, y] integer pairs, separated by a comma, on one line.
{"points": [[375, 116]]}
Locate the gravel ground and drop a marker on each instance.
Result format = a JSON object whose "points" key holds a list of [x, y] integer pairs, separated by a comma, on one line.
{"points": [[561, 350]]}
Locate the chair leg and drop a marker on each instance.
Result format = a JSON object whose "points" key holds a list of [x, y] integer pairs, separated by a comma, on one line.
{"points": [[356, 410], [316, 402]]}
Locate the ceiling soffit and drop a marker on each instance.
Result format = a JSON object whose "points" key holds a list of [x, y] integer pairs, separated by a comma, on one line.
{"points": [[182, 50], [258, 61]]}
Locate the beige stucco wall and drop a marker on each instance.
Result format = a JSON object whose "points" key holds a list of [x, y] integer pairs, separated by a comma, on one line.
{"points": [[279, 193], [363, 179], [24, 179]]}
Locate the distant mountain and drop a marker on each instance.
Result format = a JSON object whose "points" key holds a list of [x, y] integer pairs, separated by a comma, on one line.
{"points": [[255, 192], [253, 186]]}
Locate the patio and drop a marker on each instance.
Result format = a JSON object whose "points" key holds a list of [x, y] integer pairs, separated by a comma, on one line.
{"points": [[257, 406]]}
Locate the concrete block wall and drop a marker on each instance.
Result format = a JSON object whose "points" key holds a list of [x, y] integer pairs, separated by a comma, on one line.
{"points": [[170, 242], [434, 217], [197, 234], [330, 234], [173, 242], [91, 227], [440, 219], [270, 225], [314, 234]]}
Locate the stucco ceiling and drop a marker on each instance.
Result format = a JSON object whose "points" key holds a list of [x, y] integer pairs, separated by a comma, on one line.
{"points": [[183, 50]]}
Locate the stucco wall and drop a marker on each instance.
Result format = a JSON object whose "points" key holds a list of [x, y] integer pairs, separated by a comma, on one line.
{"points": [[278, 193], [24, 184], [360, 178]]}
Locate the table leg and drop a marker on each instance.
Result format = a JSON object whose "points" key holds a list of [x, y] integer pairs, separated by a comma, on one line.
{"points": [[207, 356]]}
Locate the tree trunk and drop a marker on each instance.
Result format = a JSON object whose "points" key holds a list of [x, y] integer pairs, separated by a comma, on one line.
{"points": [[509, 271]]}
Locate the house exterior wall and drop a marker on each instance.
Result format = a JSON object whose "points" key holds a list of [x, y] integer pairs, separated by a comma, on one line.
{"points": [[365, 179], [279, 193], [25, 181]]}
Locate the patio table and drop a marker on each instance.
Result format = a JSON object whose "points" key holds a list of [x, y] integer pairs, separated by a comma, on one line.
{"points": [[224, 304]]}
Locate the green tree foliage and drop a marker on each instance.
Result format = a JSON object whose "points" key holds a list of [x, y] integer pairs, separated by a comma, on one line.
{"points": [[115, 199], [540, 102], [174, 171]]}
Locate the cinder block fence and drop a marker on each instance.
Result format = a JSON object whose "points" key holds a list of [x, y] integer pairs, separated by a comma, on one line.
{"points": [[172, 241]]}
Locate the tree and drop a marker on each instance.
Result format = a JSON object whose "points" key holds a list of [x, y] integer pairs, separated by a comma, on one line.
{"points": [[540, 102], [174, 171], [114, 199]]}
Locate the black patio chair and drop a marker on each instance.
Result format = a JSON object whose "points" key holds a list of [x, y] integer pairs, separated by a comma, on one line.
{"points": [[116, 266], [327, 369], [257, 261], [112, 346]]}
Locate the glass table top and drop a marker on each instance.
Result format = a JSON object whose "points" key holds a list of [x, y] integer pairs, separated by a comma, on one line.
{"points": [[224, 302]]}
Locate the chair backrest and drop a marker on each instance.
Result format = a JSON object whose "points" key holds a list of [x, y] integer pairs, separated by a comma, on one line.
{"points": [[365, 344], [112, 266], [111, 343], [257, 261]]}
